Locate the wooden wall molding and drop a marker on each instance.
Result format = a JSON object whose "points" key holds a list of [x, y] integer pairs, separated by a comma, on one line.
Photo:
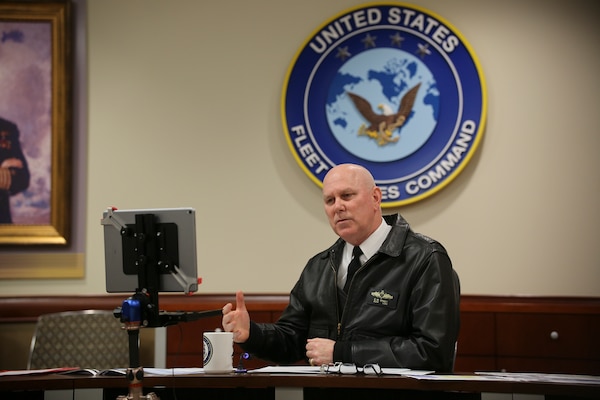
{"points": [[28, 308], [531, 304]]}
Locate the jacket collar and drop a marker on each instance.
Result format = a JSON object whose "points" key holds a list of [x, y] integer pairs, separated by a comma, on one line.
{"points": [[394, 243]]}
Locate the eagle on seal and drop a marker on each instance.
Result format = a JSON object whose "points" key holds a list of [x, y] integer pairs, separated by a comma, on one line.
{"points": [[383, 125]]}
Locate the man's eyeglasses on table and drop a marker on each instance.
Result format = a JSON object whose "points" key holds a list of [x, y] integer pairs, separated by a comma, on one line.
{"points": [[351, 369]]}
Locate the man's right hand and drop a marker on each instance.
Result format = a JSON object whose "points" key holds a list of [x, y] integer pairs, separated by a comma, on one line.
{"points": [[238, 320], [11, 163]]}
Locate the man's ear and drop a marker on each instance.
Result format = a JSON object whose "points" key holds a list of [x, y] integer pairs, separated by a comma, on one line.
{"points": [[377, 195]]}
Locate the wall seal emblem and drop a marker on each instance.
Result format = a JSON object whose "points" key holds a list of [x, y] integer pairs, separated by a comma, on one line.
{"points": [[390, 86]]}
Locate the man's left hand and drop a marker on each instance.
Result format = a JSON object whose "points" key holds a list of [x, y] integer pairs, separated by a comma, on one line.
{"points": [[319, 351]]}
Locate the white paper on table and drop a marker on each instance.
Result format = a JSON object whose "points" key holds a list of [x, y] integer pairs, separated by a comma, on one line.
{"points": [[288, 369], [173, 371], [299, 369]]}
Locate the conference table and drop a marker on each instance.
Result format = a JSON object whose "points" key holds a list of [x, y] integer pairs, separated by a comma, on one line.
{"points": [[290, 386]]}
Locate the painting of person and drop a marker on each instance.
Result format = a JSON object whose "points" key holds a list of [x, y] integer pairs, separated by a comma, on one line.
{"points": [[14, 172], [25, 122]]}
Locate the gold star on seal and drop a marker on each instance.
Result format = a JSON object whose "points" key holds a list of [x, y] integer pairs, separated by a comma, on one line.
{"points": [[369, 41], [343, 53], [397, 39], [423, 50]]}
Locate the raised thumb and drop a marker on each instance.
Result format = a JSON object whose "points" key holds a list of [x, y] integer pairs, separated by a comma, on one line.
{"points": [[240, 304]]}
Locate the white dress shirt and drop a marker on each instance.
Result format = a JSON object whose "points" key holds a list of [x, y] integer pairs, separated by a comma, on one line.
{"points": [[369, 247]]}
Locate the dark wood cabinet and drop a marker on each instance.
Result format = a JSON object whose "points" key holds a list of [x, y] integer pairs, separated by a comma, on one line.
{"points": [[548, 342], [476, 347], [529, 334]]}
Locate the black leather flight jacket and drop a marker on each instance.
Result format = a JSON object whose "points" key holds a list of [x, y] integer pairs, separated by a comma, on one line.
{"points": [[402, 308]]}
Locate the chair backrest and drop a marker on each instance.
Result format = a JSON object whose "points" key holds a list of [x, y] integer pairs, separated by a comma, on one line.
{"points": [[84, 339]]}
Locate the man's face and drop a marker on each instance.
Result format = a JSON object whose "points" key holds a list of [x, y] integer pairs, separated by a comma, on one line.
{"points": [[352, 204]]}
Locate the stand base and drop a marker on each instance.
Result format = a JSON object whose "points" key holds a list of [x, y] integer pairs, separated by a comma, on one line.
{"points": [[136, 377]]}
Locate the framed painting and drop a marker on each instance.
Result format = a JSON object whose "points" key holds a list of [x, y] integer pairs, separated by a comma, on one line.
{"points": [[35, 122]]}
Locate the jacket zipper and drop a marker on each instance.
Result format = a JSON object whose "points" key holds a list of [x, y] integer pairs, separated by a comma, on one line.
{"points": [[337, 299], [340, 320]]}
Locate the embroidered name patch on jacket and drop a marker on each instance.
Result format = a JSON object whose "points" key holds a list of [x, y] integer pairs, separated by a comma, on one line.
{"points": [[383, 298]]}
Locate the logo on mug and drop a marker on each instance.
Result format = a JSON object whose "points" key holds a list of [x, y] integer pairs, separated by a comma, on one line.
{"points": [[208, 350]]}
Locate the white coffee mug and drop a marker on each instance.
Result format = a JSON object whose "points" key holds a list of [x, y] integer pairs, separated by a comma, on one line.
{"points": [[218, 352]]}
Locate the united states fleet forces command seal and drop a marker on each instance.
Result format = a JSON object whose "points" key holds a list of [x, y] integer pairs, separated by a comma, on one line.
{"points": [[392, 87]]}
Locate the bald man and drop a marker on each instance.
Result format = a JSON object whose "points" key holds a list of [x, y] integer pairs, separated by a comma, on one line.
{"points": [[380, 294]]}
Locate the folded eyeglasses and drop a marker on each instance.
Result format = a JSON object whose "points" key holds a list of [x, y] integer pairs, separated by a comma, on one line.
{"points": [[351, 369]]}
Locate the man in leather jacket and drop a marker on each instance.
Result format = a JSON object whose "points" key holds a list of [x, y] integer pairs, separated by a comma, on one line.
{"points": [[400, 309]]}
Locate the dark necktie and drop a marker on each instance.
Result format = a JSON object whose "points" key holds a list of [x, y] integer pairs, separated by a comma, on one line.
{"points": [[353, 266]]}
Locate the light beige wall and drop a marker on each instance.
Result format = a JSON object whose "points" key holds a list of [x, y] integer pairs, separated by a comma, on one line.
{"points": [[184, 110]]}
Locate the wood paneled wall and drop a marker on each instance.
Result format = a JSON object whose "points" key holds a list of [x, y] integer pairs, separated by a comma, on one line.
{"points": [[513, 333]]}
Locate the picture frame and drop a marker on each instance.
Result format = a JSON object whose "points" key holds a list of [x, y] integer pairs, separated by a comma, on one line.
{"points": [[40, 33]]}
